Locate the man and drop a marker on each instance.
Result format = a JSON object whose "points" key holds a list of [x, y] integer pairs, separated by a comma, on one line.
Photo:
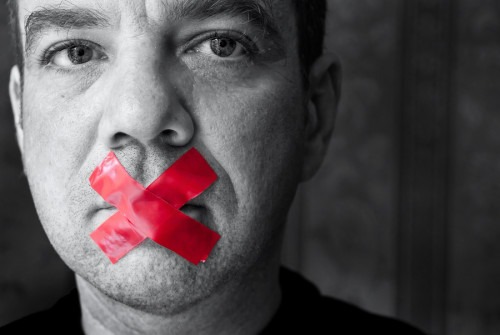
{"points": [[148, 80]]}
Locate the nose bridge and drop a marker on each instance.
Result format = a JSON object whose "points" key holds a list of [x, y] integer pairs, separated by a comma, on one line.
{"points": [[141, 96], [142, 103]]}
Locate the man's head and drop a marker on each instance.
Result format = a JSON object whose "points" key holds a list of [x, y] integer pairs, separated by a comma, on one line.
{"points": [[148, 79]]}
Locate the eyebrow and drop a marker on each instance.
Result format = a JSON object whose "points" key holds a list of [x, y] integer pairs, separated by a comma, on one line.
{"points": [[61, 18], [256, 12]]}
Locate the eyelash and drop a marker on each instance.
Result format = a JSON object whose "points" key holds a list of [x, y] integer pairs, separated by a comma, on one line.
{"points": [[48, 54], [250, 46]]}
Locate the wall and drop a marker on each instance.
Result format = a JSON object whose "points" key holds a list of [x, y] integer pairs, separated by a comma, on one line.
{"points": [[474, 252], [402, 218]]}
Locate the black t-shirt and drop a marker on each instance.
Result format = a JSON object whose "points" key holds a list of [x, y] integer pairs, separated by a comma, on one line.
{"points": [[303, 310]]}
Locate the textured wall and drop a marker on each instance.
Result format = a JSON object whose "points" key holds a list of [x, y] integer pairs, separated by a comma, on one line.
{"points": [[474, 248], [403, 217], [350, 206]]}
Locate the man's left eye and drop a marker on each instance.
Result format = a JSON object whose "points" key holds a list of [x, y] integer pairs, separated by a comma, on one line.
{"points": [[222, 47]]}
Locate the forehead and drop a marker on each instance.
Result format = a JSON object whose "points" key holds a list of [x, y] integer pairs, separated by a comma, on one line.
{"points": [[279, 13]]}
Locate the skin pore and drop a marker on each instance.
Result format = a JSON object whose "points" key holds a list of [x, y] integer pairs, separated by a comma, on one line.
{"points": [[149, 79]]}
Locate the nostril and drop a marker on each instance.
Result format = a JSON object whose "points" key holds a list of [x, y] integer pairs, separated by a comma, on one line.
{"points": [[174, 138], [168, 133], [119, 138], [169, 136]]}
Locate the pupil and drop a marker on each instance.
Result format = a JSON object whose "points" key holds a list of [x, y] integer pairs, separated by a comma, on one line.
{"points": [[80, 54], [223, 47]]}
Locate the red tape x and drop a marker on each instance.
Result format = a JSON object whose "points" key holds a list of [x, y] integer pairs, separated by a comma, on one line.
{"points": [[153, 212]]}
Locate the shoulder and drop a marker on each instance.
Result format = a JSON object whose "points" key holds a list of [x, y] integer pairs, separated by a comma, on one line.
{"points": [[64, 316], [303, 307], [351, 318]]}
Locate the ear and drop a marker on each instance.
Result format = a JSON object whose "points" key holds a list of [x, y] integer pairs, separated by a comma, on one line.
{"points": [[323, 97], [15, 93]]}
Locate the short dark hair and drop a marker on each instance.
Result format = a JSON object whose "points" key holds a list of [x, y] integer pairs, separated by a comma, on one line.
{"points": [[15, 31], [310, 16], [311, 21]]}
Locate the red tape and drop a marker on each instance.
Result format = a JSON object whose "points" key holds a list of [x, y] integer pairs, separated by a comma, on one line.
{"points": [[153, 212]]}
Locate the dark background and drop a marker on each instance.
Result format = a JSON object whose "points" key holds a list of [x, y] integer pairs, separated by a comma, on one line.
{"points": [[403, 217]]}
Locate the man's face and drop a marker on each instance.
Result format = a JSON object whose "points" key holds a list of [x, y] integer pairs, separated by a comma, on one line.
{"points": [[149, 79]]}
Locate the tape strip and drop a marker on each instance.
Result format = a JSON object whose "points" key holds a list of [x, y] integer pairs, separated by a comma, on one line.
{"points": [[154, 212]]}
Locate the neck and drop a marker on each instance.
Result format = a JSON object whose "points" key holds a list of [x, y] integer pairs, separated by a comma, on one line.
{"points": [[243, 306]]}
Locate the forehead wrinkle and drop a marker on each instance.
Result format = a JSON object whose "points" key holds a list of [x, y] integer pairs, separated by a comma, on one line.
{"points": [[134, 15], [256, 12]]}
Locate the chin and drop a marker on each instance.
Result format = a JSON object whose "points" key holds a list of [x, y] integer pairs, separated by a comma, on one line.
{"points": [[155, 280]]}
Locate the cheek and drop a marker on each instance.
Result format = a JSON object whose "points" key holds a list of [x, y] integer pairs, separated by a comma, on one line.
{"points": [[59, 124], [255, 133], [58, 134]]}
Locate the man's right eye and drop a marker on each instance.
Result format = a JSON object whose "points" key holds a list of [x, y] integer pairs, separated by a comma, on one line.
{"points": [[72, 53]]}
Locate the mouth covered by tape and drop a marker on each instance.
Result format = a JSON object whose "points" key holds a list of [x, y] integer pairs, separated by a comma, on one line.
{"points": [[153, 212]]}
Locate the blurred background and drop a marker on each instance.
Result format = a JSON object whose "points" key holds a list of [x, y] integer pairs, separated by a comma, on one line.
{"points": [[402, 218]]}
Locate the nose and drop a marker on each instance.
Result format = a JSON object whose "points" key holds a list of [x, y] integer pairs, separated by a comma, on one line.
{"points": [[143, 104]]}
